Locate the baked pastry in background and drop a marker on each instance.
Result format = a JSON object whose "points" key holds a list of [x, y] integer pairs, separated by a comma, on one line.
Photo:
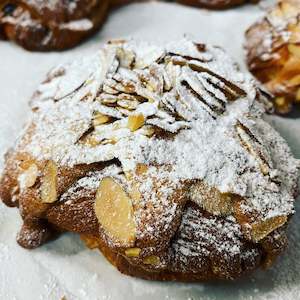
{"points": [[216, 4], [47, 25], [158, 155], [273, 53], [50, 25]]}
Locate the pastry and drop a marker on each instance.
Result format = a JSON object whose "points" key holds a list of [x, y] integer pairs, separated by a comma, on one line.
{"points": [[160, 157], [273, 53], [50, 24], [215, 4], [46, 25]]}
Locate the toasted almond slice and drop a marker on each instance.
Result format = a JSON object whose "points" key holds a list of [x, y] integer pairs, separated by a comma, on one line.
{"points": [[295, 80], [111, 141], [151, 260], [210, 199], [277, 12], [288, 9], [114, 212], [135, 122], [249, 142], [126, 57], [28, 178], [49, 183], [108, 100], [294, 33], [133, 252], [262, 229], [147, 131], [100, 119], [282, 104], [91, 141], [280, 101], [294, 49], [128, 104]]}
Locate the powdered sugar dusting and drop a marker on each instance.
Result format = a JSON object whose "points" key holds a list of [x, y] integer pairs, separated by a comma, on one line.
{"points": [[78, 25], [275, 30], [181, 91], [51, 5], [210, 235], [74, 269]]}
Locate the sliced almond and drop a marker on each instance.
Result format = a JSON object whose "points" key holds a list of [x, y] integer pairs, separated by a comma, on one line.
{"points": [[128, 104], [114, 212], [100, 119], [280, 101], [49, 183], [107, 89], [294, 49], [262, 229], [282, 105], [28, 178], [133, 252], [294, 33], [135, 122], [288, 9], [126, 57], [250, 143], [111, 141], [210, 199], [151, 260], [147, 131], [295, 81], [284, 10], [91, 141], [109, 100], [276, 13]]}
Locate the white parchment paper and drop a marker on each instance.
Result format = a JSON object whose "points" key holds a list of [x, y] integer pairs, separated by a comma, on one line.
{"points": [[65, 267]]}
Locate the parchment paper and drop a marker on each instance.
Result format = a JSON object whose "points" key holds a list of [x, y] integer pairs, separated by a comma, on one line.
{"points": [[65, 267]]}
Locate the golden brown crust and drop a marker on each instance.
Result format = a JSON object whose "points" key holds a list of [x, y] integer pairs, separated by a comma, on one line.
{"points": [[113, 155], [46, 26], [273, 53], [75, 212], [199, 268]]}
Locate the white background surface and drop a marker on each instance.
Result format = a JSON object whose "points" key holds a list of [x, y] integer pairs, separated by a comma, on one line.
{"points": [[65, 267]]}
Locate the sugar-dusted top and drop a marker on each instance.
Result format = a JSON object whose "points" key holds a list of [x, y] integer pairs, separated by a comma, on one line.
{"points": [[184, 105]]}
